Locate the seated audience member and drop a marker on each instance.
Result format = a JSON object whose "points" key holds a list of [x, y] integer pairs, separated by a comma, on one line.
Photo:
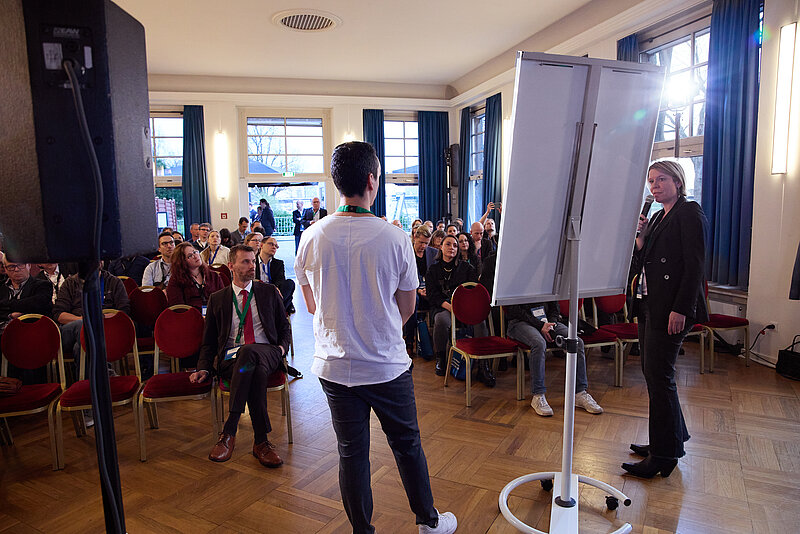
{"points": [[432, 252], [451, 229], [2, 267], [254, 240], [490, 233], [191, 282], [131, 266], [194, 232], [466, 251], [429, 224], [441, 281], [536, 325], [244, 347], [256, 227], [215, 253], [421, 239], [271, 270], [178, 237], [483, 247], [225, 238], [460, 224], [157, 273], [201, 243], [237, 237], [55, 274], [414, 225], [68, 308], [397, 223], [20, 293]]}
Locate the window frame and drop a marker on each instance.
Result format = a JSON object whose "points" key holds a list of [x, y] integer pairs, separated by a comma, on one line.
{"points": [[285, 113], [401, 178], [163, 181]]}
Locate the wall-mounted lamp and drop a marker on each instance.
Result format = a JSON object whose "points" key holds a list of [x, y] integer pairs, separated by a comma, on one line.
{"points": [[221, 165], [349, 136], [783, 99]]}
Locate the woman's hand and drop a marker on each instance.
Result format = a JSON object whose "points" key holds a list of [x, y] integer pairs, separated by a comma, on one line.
{"points": [[447, 306], [676, 324], [198, 377], [642, 223]]}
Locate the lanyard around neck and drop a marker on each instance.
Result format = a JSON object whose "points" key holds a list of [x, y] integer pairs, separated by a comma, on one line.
{"points": [[353, 209], [242, 315], [214, 256], [265, 269]]}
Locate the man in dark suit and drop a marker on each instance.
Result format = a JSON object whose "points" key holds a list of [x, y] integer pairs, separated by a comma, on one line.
{"points": [[20, 294], [297, 219], [201, 243], [271, 270], [237, 237], [314, 213], [245, 339]]}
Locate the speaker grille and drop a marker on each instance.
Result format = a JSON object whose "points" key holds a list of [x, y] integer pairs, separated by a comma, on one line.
{"points": [[306, 20]]}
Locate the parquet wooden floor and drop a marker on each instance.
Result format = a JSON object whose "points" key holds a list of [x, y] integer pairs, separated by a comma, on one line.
{"points": [[740, 473]]}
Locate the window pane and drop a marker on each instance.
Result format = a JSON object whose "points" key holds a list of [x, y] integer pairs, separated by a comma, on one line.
{"points": [[477, 143], [475, 199], [412, 129], [304, 130], [265, 164], [394, 165], [680, 89], [701, 47], [172, 195], [699, 119], [305, 164], [305, 122], [665, 129], [266, 145], [168, 146], [412, 147], [477, 162], [412, 165], [304, 145], [394, 147], [268, 121], [167, 127], [482, 123], [259, 129], [169, 166], [393, 129], [681, 56], [700, 82], [402, 202]]}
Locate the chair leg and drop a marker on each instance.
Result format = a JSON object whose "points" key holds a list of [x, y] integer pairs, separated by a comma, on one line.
{"points": [[214, 418], [447, 367], [617, 364], [469, 379], [56, 434], [520, 375], [747, 346], [5, 433], [140, 430], [702, 352], [285, 399], [153, 414], [711, 347]]}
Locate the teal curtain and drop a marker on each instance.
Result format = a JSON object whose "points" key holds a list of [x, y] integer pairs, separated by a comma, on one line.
{"points": [[628, 48], [730, 139], [466, 152], [373, 134], [493, 154], [433, 141], [195, 178]]}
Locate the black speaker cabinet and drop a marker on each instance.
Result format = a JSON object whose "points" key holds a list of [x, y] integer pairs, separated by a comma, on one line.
{"points": [[46, 196], [454, 161]]}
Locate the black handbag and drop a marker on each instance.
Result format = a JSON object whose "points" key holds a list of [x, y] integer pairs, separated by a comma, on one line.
{"points": [[789, 361]]}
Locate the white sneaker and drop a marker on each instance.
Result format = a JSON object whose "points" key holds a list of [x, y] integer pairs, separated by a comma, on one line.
{"points": [[585, 401], [539, 403], [447, 525]]}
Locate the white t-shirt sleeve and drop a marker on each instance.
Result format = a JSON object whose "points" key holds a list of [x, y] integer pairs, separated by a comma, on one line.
{"points": [[299, 263], [409, 280]]}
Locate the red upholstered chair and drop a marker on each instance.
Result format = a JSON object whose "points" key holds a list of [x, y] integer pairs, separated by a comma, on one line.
{"points": [[699, 330], [223, 271], [120, 336], [625, 332], [129, 283], [718, 322], [600, 338], [178, 334], [471, 306], [29, 342], [147, 303], [278, 381]]}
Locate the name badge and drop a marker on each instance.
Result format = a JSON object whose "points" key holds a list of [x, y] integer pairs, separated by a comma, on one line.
{"points": [[205, 308], [538, 312], [231, 353]]}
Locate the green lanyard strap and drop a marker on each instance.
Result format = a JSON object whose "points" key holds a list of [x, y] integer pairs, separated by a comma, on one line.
{"points": [[241, 314], [353, 209]]}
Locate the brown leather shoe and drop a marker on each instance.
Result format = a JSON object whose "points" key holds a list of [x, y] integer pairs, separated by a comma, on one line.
{"points": [[223, 449], [265, 452]]}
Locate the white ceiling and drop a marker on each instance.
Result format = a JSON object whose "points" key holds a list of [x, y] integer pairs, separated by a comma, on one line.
{"points": [[408, 41]]}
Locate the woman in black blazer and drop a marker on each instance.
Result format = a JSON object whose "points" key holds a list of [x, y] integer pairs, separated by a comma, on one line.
{"points": [[669, 298]]}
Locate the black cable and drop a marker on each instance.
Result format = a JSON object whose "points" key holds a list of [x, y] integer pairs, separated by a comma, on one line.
{"points": [[91, 297]]}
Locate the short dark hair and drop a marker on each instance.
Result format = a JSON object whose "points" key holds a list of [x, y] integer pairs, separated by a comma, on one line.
{"points": [[264, 200], [238, 249], [243, 219], [449, 225], [351, 165]]}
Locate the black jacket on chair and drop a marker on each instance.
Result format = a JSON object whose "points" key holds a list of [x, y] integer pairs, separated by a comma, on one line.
{"points": [[673, 257]]}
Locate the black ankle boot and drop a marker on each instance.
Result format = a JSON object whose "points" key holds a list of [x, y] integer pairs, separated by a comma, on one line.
{"points": [[651, 466], [641, 450], [486, 375], [441, 364]]}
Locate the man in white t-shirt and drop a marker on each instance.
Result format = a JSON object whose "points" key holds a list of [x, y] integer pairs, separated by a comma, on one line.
{"points": [[359, 279]]}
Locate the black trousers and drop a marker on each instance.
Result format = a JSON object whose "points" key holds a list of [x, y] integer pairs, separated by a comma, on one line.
{"points": [[248, 374], [659, 351]]}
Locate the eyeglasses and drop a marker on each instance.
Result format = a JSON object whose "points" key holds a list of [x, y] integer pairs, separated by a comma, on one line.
{"points": [[166, 243], [192, 253], [13, 267]]}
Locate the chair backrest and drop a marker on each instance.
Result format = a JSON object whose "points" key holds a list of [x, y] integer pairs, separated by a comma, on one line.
{"points": [[223, 271], [179, 331], [611, 303], [129, 283], [563, 307], [471, 303], [31, 341], [120, 336], [147, 303]]}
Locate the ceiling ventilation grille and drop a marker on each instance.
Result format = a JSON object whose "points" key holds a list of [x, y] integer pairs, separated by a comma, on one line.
{"points": [[306, 20]]}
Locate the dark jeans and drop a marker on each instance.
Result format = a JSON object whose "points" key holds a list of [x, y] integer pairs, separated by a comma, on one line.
{"points": [[248, 374], [394, 404], [659, 350], [297, 242]]}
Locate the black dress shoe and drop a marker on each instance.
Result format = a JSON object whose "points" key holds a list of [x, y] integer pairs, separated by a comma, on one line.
{"points": [[486, 376], [651, 466], [641, 450], [294, 373], [441, 363]]}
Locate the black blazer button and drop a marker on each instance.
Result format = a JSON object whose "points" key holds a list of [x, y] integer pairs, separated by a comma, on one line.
{"points": [[663, 260], [666, 277]]}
